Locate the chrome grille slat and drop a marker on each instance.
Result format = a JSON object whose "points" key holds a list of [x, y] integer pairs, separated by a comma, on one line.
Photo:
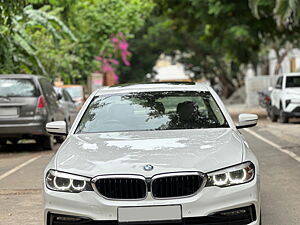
{"points": [[120, 187], [163, 186], [176, 185]]}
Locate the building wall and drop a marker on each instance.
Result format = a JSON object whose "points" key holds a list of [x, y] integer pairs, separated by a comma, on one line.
{"points": [[255, 84]]}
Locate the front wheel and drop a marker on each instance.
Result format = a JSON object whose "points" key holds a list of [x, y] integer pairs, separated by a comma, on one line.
{"points": [[2, 142], [283, 118], [273, 115]]}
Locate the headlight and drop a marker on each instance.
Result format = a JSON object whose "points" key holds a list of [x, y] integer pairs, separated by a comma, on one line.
{"points": [[234, 175], [59, 181]]}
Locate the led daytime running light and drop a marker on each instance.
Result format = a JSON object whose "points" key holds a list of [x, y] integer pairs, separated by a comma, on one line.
{"points": [[238, 174], [65, 182], [78, 188], [220, 181], [63, 188], [239, 180]]}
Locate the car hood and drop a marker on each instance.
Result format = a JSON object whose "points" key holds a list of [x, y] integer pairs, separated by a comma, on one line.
{"points": [[167, 151]]}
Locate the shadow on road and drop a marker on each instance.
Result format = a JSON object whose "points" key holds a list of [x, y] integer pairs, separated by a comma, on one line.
{"points": [[20, 148], [24, 147]]}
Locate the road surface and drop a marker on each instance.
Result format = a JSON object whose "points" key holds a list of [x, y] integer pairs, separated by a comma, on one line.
{"points": [[277, 147]]}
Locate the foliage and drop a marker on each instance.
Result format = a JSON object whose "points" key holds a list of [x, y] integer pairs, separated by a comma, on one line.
{"points": [[94, 22], [8, 9], [18, 53], [210, 46], [285, 12], [63, 37], [215, 39]]}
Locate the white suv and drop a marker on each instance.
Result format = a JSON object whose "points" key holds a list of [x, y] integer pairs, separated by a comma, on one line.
{"points": [[285, 98], [153, 154]]}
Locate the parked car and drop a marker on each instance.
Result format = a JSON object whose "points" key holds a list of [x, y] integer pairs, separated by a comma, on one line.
{"points": [[67, 104], [27, 103], [285, 98], [77, 93], [153, 153]]}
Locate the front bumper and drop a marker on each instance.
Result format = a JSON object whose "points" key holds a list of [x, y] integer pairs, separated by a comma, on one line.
{"points": [[198, 208], [294, 112], [293, 109]]}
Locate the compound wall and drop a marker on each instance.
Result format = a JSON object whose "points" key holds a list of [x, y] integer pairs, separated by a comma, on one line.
{"points": [[255, 84]]}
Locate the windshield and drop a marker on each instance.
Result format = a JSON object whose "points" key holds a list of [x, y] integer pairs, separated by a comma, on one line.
{"points": [[166, 110], [17, 88], [75, 92], [293, 81]]}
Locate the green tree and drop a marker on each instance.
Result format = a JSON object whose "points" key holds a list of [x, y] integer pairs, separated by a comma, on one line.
{"points": [[43, 35], [94, 22], [285, 14], [18, 53]]}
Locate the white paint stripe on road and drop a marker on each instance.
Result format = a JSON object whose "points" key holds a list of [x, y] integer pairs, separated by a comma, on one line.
{"points": [[276, 146], [18, 167]]}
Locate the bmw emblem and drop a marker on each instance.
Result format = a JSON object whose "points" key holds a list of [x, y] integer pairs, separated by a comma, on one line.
{"points": [[148, 167]]}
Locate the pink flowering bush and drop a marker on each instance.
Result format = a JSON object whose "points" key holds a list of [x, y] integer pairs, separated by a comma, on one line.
{"points": [[120, 49]]}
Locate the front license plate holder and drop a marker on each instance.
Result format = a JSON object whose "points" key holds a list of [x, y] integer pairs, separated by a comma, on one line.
{"points": [[149, 214]]}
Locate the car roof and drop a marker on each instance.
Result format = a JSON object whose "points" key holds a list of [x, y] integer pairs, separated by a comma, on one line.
{"points": [[291, 74], [150, 87], [20, 76]]}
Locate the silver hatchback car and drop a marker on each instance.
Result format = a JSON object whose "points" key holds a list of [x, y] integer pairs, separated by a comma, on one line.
{"points": [[27, 103], [153, 154]]}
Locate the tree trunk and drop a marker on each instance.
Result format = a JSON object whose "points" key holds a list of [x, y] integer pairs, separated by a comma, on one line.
{"points": [[280, 59], [227, 86]]}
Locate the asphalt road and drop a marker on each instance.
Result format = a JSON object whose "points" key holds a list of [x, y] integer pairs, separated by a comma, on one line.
{"points": [[276, 146]]}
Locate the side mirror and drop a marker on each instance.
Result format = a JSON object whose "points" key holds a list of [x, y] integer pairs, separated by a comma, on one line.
{"points": [[278, 86], [247, 120], [57, 128], [270, 88], [59, 96]]}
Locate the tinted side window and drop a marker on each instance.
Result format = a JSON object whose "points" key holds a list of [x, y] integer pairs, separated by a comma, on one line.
{"points": [[279, 83], [48, 91], [66, 96]]}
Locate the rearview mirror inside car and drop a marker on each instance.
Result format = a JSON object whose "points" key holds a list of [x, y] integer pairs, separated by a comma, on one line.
{"points": [[247, 120], [57, 128]]}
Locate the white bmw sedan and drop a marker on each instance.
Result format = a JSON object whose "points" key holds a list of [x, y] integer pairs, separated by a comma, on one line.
{"points": [[153, 153]]}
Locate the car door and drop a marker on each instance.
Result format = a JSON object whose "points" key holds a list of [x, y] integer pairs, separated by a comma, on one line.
{"points": [[277, 92]]}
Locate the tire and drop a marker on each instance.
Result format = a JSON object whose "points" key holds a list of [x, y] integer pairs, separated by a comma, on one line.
{"points": [[273, 115], [46, 142], [2, 142], [283, 118], [59, 139]]}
